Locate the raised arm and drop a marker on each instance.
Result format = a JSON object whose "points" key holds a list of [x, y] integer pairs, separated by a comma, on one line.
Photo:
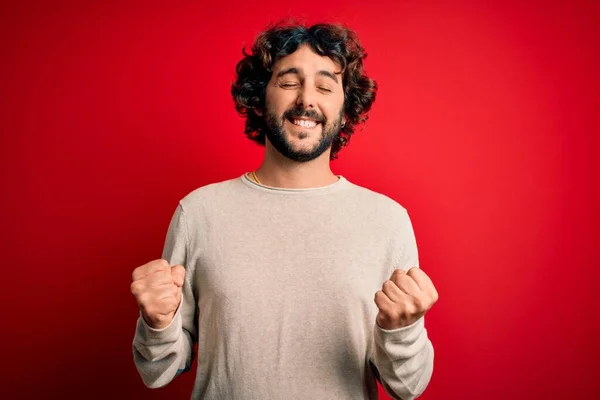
{"points": [[166, 331], [403, 354]]}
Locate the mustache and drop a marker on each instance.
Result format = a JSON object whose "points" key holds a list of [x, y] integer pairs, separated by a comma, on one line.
{"points": [[299, 112]]}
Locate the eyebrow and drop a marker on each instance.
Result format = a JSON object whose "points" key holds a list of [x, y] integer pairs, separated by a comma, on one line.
{"points": [[294, 70]]}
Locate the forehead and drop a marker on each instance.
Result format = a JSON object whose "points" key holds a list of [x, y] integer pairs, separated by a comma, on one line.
{"points": [[306, 61]]}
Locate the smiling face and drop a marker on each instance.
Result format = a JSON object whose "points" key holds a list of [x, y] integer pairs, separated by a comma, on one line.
{"points": [[304, 105]]}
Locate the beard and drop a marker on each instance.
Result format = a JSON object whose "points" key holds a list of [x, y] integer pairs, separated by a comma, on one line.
{"points": [[276, 134]]}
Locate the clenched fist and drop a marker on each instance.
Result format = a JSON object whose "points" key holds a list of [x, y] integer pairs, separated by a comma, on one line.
{"points": [[157, 289], [404, 298]]}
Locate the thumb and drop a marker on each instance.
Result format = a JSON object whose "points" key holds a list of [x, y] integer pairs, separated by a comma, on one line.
{"points": [[178, 274]]}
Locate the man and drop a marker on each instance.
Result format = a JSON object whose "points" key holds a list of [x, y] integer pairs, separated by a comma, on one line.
{"points": [[294, 282]]}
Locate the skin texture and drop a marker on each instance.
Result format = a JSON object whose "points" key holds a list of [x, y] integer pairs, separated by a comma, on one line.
{"points": [[305, 86], [308, 86], [156, 287], [404, 298], [277, 134]]}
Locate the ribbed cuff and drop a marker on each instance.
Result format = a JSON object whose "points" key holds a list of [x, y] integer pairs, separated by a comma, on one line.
{"points": [[404, 335], [148, 335]]}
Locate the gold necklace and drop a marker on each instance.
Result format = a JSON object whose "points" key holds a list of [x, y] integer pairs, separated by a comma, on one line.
{"points": [[255, 178]]}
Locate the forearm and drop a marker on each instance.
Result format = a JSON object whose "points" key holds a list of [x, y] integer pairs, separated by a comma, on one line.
{"points": [[404, 359], [161, 354]]}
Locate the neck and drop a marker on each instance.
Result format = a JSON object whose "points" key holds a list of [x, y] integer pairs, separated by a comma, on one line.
{"points": [[279, 171]]}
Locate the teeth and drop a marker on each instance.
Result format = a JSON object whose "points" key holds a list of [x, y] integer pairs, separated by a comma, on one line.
{"points": [[305, 123]]}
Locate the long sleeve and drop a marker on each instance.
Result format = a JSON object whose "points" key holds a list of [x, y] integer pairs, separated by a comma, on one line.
{"points": [[404, 356], [162, 354], [404, 359]]}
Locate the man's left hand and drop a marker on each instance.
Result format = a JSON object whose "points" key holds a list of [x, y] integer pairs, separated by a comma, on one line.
{"points": [[404, 298]]}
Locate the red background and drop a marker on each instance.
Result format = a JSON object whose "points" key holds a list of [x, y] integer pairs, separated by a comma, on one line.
{"points": [[485, 128]]}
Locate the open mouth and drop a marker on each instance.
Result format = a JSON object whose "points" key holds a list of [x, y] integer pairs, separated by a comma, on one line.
{"points": [[304, 123]]}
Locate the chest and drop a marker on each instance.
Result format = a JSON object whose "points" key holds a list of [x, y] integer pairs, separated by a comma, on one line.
{"points": [[280, 261]]}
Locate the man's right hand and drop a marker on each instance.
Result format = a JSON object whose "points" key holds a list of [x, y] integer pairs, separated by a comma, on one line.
{"points": [[157, 289]]}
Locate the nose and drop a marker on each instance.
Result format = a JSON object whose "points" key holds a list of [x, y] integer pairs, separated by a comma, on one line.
{"points": [[305, 97]]}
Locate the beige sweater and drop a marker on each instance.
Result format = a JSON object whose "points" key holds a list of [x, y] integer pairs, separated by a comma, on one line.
{"points": [[279, 295]]}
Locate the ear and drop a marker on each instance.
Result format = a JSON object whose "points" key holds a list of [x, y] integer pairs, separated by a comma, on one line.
{"points": [[258, 112]]}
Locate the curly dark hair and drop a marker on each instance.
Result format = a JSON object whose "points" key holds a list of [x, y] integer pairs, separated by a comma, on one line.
{"points": [[279, 40]]}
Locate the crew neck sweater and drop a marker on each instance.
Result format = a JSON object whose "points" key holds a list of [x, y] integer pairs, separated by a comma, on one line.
{"points": [[279, 295]]}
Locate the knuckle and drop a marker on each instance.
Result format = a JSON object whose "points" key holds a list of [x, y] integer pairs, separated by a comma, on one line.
{"points": [[388, 285], [163, 263], [142, 299], [404, 276], [410, 309], [134, 287], [161, 270], [157, 266], [137, 273]]}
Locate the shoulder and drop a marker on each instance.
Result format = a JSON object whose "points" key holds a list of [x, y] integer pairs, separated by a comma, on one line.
{"points": [[385, 204], [210, 193]]}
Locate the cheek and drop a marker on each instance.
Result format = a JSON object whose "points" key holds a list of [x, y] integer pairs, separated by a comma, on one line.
{"points": [[277, 101], [335, 107], [334, 112]]}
